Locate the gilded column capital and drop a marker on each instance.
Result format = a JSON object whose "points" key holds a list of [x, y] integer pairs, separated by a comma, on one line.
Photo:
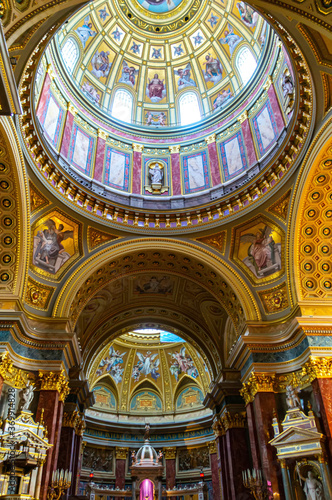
{"points": [[169, 453], [50, 381], [74, 420], [212, 447], [210, 139], [138, 148], [11, 375], [121, 453], [71, 108], [218, 427], [233, 420], [317, 368], [102, 134], [258, 382], [243, 116], [175, 148]]}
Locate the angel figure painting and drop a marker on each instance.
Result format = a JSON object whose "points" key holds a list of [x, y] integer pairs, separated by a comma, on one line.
{"points": [[53, 244], [260, 250], [112, 365], [184, 79], [182, 363], [128, 75], [212, 69], [101, 64], [85, 32], [248, 15], [146, 365]]}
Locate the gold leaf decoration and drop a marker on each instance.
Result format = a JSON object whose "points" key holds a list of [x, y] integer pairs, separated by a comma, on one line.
{"points": [[51, 381], [217, 241], [38, 295], [275, 299], [97, 238], [280, 207], [37, 200]]}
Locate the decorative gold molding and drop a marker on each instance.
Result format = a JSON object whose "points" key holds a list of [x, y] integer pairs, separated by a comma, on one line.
{"points": [[217, 241], [169, 453], [71, 109], [97, 238], [243, 117], [317, 368], [229, 421], [50, 381], [280, 207], [275, 299], [37, 200], [74, 420], [102, 134], [121, 453], [268, 83], [11, 375], [138, 148], [258, 382], [38, 295]]}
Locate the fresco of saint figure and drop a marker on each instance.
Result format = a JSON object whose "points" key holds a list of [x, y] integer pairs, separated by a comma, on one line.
{"points": [[90, 91], [230, 39], [159, 6], [264, 255], [101, 64], [128, 75], [147, 364], [222, 98], [182, 363], [185, 79], [155, 89], [111, 364], [213, 69], [49, 252], [248, 15], [84, 32]]}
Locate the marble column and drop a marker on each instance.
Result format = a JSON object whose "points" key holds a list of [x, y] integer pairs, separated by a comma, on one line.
{"points": [[137, 168], [100, 155], [254, 445], [170, 458], [221, 457], [53, 391], [176, 170], [214, 469], [286, 480], [66, 136], [213, 159], [248, 139], [120, 467]]}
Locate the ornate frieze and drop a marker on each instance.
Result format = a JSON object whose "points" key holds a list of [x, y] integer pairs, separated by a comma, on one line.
{"points": [[98, 459], [50, 381], [11, 375], [280, 207], [38, 295], [97, 238], [275, 299], [194, 458], [217, 241]]}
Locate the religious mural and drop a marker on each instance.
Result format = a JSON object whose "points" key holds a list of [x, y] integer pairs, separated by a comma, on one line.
{"points": [[153, 284], [147, 364], [194, 458], [155, 118], [54, 243], [230, 39], [258, 248], [155, 86], [182, 363], [98, 459], [146, 401], [248, 15], [128, 74], [85, 32], [190, 397], [159, 6], [101, 62], [222, 98], [212, 68], [112, 364], [184, 79], [104, 398]]}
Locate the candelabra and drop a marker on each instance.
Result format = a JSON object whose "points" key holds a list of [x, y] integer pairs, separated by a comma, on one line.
{"points": [[254, 482], [61, 480]]}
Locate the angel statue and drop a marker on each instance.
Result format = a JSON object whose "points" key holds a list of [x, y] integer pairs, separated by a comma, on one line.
{"points": [[312, 488], [263, 253], [49, 246], [128, 75], [156, 174], [26, 397], [292, 397], [147, 432]]}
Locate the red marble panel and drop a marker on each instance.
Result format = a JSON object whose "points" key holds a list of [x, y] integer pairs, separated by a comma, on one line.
{"points": [[264, 405], [323, 393], [99, 161], [238, 460], [249, 143], [67, 134], [76, 470], [79, 463], [176, 174], [225, 479], [221, 466], [254, 446], [66, 456], [214, 164], [43, 96], [137, 172], [276, 108], [120, 473], [170, 475], [215, 475], [49, 401]]}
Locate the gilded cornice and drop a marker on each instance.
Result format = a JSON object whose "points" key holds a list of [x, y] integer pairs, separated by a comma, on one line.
{"points": [[11, 375], [169, 453], [50, 381], [74, 420], [97, 238], [121, 453], [228, 421]]}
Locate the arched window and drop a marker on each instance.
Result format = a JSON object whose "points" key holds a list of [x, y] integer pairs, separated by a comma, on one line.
{"points": [[189, 108], [70, 54], [246, 64], [122, 105]]}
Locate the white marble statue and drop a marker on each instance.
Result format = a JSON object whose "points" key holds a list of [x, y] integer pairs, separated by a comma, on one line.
{"points": [[313, 488], [292, 398], [26, 397]]}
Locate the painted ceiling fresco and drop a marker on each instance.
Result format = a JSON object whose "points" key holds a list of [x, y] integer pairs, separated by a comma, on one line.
{"points": [[145, 373], [156, 69]]}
